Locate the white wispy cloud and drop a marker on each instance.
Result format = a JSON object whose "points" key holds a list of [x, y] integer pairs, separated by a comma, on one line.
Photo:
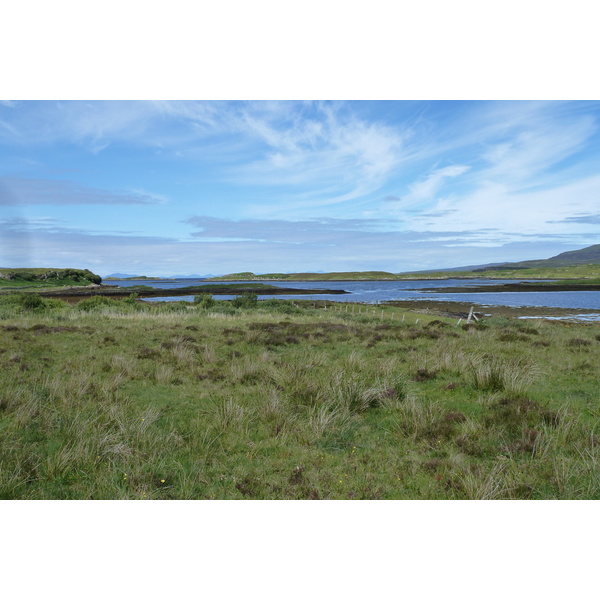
{"points": [[427, 187], [93, 126], [521, 179], [537, 147], [322, 153], [323, 157], [514, 213]]}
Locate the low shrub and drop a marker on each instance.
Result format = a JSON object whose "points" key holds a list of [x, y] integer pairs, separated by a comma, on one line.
{"points": [[246, 300], [205, 301], [95, 303], [21, 301], [285, 307]]}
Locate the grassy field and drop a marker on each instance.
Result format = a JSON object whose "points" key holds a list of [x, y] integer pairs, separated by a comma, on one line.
{"points": [[116, 399]]}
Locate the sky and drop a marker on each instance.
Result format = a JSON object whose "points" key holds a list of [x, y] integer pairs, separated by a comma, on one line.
{"points": [[213, 187]]}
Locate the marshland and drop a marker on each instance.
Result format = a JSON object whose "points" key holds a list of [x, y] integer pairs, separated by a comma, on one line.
{"points": [[289, 399]]}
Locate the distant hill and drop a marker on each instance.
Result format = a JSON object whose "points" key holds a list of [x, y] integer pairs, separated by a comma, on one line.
{"points": [[451, 269], [319, 276], [585, 256]]}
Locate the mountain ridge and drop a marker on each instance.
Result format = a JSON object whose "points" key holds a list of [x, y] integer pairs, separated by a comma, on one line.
{"points": [[589, 255]]}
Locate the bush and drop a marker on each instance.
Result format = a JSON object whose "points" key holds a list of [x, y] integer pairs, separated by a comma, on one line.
{"points": [[205, 301], [95, 303], [285, 307], [246, 300], [31, 301], [23, 301], [224, 308], [133, 303], [55, 303]]}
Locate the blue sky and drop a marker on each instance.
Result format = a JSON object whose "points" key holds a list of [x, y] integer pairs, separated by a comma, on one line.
{"points": [[163, 188]]}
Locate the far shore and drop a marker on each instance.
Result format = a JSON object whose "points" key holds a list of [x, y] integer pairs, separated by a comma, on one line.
{"points": [[76, 293], [519, 287]]}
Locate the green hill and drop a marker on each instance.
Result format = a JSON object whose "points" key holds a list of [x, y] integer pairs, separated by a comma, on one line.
{"points": [[41, 277], [585, 256]]}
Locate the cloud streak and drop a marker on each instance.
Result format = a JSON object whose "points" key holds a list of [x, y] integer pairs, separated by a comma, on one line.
{"points": [[252, 245], [16, 191], [557, 211], [426, 188], [310, 232]]}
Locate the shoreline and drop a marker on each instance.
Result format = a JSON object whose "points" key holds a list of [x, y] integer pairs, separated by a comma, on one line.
{"points": [[518, 287], [399, 279], [460, 310]]}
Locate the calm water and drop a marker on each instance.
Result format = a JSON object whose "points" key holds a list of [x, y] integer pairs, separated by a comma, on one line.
{"points": [[380, 291]]}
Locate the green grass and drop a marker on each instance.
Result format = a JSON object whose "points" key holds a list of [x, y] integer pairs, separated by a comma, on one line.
{"points": [[119, 399], [583, 272]]}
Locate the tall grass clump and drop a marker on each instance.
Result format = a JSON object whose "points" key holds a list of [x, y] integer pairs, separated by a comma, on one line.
{"points": [[498, 373]]}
